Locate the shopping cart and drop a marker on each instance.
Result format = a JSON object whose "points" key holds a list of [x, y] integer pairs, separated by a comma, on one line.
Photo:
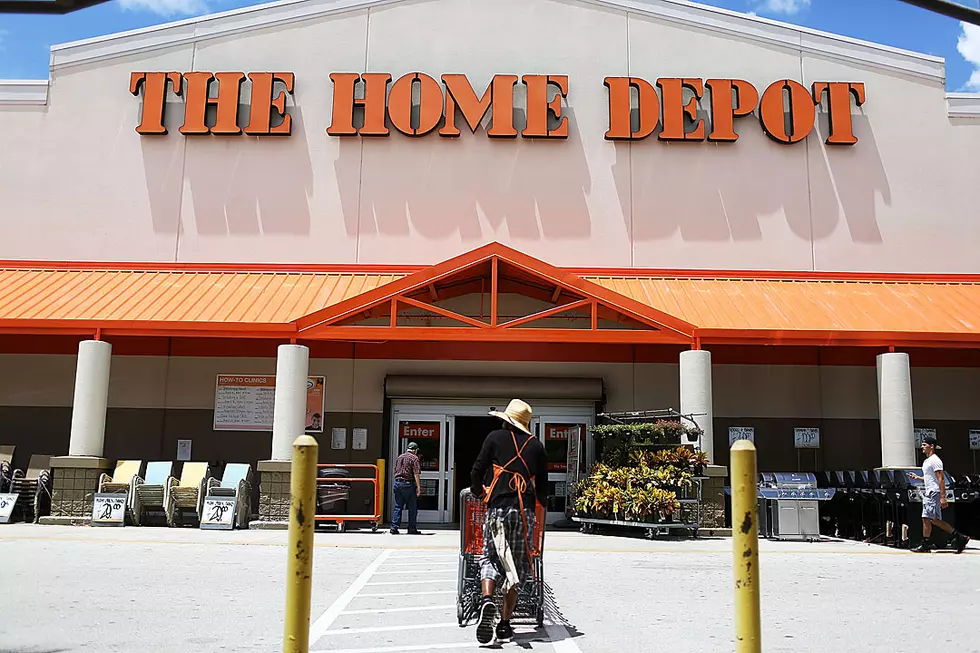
{"points": [[530, 594]]}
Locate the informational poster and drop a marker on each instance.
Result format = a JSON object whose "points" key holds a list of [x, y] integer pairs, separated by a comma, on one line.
{"points": [[183, 450], [109, 509], [919, 434], [975, 439], [806, 438], [359, 439], [7, 502], [736, 433], [315, 386], [338, 438], [218, 513], [246, 402]]}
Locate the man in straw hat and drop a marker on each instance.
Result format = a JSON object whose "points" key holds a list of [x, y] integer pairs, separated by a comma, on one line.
{"points": [[511, 473]]}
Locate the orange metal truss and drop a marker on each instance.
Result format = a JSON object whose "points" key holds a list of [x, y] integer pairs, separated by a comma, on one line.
{"points": [[499, 269]]}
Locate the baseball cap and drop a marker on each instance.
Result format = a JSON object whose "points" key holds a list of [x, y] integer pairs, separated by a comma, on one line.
{"points": [[412, 446], [931, 440]]}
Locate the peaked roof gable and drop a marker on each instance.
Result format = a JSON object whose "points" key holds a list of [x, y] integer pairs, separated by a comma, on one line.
{"points": [[691, 14]]}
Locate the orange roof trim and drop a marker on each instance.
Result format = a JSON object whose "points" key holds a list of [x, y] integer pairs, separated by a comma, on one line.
{"points": [[317, 302]]}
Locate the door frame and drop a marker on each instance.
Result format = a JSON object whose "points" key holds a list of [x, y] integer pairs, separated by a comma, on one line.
{"points": [[559, 416], [447, 410], [437, 516]]}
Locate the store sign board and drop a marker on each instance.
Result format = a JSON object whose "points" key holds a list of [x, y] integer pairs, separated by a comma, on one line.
{"points": [[416, 104], [806, 438], [246, 402], [218, 513], [109, 509], [736, 433], [975, 439], [7, 502], [420, 430], [919, 434]]}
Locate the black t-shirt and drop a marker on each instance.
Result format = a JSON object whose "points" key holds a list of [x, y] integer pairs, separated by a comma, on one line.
{"points": [[498, 449]]}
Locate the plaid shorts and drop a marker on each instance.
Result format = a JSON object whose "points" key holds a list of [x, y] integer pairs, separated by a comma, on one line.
{"points": [[509, 520]]}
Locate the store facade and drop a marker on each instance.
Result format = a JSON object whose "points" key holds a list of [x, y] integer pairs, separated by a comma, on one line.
{"points": [[596, 205]]}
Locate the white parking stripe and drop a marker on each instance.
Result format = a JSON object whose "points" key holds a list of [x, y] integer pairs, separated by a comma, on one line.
{"points": [[420, 608], [417, 647], [406, 572], [323, 624], [386, 594], [411, 582], [389, 629], [429, 565]]}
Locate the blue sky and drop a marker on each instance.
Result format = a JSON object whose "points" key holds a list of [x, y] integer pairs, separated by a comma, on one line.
{"points": [[25, 40]]}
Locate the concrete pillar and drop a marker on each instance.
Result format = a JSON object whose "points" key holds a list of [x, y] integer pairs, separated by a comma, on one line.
{"points": [[895, 410], [695, 378], [91, 398], [289, 418]]}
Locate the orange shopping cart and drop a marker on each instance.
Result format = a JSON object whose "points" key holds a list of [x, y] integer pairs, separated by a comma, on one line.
{"points": [[530, 595]]}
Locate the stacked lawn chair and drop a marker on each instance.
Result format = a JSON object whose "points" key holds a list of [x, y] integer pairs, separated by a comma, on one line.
{"points": [[187, 497], [6, 458], [33, 488], [235, 482], [153, 491], [124, 480]]}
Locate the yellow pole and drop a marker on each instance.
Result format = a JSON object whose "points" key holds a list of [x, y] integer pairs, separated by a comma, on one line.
{"points": [[299, 564], [381, 489], [745, 536]]}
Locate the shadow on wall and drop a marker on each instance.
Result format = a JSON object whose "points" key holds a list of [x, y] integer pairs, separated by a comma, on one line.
{"points": [[438, 187], [847, 180], [236, 185], [726, 191]]}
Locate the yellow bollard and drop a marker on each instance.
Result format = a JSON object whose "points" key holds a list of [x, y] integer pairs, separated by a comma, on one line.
{"points": [[745, 540], [381, 490], [299, 564]]}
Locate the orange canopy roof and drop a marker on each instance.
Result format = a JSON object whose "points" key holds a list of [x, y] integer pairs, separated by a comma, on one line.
{"points": [[280, 302]]}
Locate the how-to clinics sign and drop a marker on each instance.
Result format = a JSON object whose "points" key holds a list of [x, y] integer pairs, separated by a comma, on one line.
{"points": [[417, 104]]}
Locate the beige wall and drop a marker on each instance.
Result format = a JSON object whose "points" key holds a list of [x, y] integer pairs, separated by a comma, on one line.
{"points": [[764, 391], [584, 201]]}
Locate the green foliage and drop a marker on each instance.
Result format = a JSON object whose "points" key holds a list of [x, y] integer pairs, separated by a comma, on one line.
{"points": [[633, 482]]}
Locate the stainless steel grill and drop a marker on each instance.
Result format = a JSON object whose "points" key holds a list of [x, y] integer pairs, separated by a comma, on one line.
{"points": [[789, 505]]}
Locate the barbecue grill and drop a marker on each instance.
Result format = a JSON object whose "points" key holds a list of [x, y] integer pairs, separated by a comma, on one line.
{"points": [[790, 505]]}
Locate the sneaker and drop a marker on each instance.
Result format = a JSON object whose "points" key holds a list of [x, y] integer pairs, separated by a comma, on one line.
{"points": [[415, 532], [925, 547], [961, 543], [488, 614], [505, 632], [394, 531]]}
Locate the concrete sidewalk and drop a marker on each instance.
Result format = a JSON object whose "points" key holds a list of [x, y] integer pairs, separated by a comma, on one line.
{"points": [[178, 590]]}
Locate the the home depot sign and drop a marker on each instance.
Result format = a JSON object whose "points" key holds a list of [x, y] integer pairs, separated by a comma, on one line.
{"points": [[417, 104]]}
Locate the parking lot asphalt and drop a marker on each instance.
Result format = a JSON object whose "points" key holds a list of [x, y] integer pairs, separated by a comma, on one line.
{"points": [[160, 589]]}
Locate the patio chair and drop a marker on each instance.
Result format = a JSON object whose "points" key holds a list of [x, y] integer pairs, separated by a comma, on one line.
{"points": [[6, 458], [124, 480], [188, 494], [153, 492], [34, 488], [235, 482]]}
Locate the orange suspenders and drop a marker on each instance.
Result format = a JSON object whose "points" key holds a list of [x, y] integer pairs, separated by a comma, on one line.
{"points": [[518, 484]]}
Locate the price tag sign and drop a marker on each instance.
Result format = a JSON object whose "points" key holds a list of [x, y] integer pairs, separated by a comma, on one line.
{"points": [[7, 503], [218, 514], [919, 434], [974, 440], [109, 509], [736, 433], [807, 438]]}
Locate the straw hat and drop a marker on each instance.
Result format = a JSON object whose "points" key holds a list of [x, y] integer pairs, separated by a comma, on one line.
{"points": [[517, 414]]}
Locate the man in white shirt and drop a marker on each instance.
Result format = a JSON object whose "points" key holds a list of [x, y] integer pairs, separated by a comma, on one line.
{"points": [[934, 498]]}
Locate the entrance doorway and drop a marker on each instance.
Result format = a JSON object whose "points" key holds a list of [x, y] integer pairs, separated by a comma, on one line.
{"points": [[450, 436], [470, 432]]}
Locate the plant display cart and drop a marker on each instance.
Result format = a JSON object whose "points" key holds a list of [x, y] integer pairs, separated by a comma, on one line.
{"points": [[648, 476]]}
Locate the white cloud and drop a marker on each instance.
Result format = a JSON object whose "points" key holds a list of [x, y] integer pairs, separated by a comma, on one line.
{"points": [[969, 46], [785, 7], [166, 7]]}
